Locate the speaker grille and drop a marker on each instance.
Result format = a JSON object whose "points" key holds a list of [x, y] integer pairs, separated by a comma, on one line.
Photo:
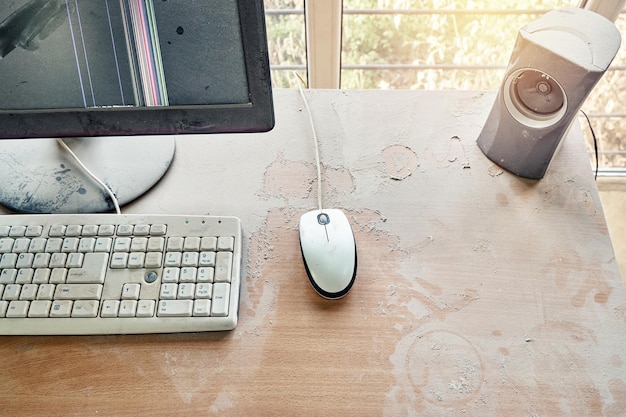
{"points": [[534, 98]]}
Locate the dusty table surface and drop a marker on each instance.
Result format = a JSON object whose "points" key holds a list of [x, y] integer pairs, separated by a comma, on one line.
{"points": [[478, 292]]}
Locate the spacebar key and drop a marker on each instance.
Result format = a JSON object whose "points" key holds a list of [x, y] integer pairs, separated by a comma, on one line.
{"points": [[175, 308]]}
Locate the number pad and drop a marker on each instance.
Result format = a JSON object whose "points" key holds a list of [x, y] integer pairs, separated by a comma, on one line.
{"points": [[192, 265]]}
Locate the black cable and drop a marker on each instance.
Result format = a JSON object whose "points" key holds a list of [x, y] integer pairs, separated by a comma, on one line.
{"points": [[595, 143]]}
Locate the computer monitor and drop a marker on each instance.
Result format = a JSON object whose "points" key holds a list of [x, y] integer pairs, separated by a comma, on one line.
{"points": [[107, 73]]}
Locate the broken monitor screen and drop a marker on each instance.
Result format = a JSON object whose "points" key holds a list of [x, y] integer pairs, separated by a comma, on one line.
{"points": [[177, 65]]}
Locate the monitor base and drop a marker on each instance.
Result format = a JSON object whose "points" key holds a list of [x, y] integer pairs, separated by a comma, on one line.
{"points": [[39, 176]]}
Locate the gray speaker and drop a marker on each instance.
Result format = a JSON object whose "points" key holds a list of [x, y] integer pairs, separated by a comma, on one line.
{"points": [[556, 62]]}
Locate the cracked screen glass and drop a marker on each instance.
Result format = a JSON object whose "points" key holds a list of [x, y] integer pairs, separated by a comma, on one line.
{"points": [[66, 54]]}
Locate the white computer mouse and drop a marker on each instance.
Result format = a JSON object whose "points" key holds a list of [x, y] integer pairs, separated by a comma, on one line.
{"points": [[329, 251]]}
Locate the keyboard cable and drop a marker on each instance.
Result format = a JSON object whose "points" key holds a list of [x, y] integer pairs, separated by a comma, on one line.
{"points": [[97, 180]]}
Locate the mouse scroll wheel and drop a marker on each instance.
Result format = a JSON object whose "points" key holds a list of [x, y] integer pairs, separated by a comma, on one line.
{"points": [[323, 219]]}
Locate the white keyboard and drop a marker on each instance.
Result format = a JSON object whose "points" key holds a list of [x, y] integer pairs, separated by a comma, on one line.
{"points": [[118, 274]]}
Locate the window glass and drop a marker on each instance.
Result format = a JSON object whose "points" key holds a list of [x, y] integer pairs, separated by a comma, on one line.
{"points": [[286, 39]]}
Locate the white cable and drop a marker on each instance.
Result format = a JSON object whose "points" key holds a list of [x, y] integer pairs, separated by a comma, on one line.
{"points": [[91, 175], [315, 142]]}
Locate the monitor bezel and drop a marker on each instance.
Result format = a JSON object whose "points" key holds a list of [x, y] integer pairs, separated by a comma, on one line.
{"points": [[255, 116]]}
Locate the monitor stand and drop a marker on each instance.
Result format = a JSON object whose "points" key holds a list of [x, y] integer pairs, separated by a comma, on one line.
{"points": [[39, 176]]}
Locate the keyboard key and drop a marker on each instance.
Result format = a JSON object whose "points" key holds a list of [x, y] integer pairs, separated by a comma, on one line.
{"points": [[122, 244], [223, 266], [206, 259], [156, 244], [45, 291], [192, 243], [136, 260], [57, 230], [8, 260], [57, 260], [18, 309], [204, 290], [142, 230], [173, 259], [175, 308], [110, 308], [139, 244], [168, 291], [6, 245], [106, 230], [29, 292], [41, 276], [24, 276], [202, 308], [175, 244], [24, 260], [73, 230], [103, 244], [125, 230], [145, 308], [189, 259], [34, 231], [61, 308], [170, 275], [11, 292], [54, 245], [41, 260], [87, 244], [37, 245], [186, 291], [205, 274], [78, 292], [74, 260], [21, 245], [208, 243], [92, 271], [128, 308], [131, 291], [39, 308], [58, 275], [153, 260], [7, 276], [221, 297], [119, 260], [4, 305], [187, 274], [226, 243], [90, 230], [17, 231], [158, 229], [85, 308], [70, 244]]}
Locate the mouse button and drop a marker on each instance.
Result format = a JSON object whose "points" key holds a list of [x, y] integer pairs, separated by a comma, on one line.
{"points": [[340, 226], [312, 234]]}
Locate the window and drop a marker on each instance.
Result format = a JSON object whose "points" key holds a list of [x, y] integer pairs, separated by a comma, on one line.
{"points": [[443, 44]]}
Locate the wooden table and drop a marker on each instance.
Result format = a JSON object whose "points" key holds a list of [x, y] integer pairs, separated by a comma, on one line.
{"points": [[478, 293]]}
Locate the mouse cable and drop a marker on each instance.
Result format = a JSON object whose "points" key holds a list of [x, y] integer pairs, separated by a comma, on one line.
{"points": [[91, 175], [315, 141], [595, 143]]}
